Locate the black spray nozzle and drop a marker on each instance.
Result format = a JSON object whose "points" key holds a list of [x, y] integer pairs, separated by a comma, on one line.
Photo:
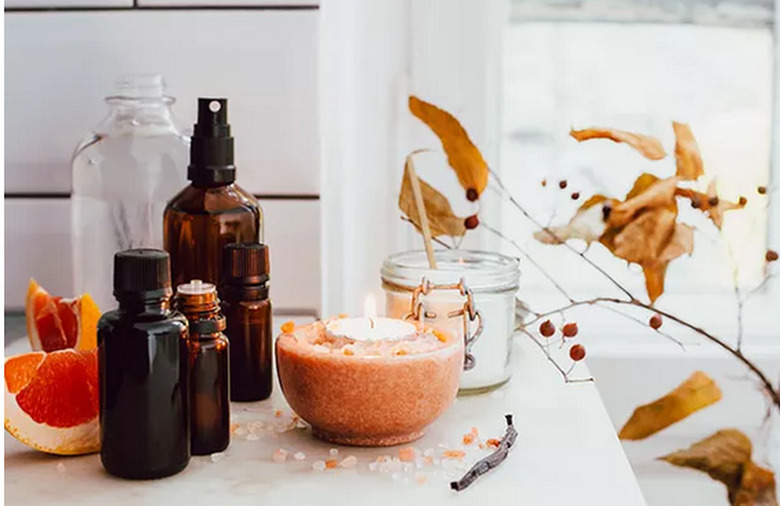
{"points": [[211, 151]]}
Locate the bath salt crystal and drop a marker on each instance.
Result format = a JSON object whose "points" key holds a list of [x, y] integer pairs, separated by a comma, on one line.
{"points": [[318, 465], [299, 456], [300, 424], [216, 457], [252, 437], [442, 445], [429, 452], [420, 478], [278, 413], [407, 454], [350, 461], [61, 468], [408, 466], [280, 455], [373, 466], [240, 431], [234, 427], [320, 348], [334, 452]]}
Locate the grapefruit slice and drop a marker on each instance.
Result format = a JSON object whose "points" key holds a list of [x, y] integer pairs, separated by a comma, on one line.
{"points": [[51, 401], [54, 323]]}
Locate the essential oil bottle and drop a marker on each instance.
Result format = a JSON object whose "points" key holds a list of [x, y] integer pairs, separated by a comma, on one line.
{"points": [[212, 211], [142, 367], [245, 303], [208, 366]]}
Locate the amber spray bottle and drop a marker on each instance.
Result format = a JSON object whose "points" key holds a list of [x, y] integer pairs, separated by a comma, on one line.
{"points": [[208, 367], [142, 368], [213, 210], [245, 303]]}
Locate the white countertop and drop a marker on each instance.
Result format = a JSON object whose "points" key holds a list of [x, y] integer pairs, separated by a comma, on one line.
{"points": [[567, 453]]}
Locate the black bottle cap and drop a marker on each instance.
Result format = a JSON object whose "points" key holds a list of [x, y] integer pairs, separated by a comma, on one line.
{"points": [[142, 273], [245, 263], [211, 150]]}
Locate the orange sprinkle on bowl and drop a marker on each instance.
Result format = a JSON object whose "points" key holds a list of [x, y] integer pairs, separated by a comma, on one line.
{"points": [[331, 464], [453, 454], [288, 327], [441, 336], [407, 454]]}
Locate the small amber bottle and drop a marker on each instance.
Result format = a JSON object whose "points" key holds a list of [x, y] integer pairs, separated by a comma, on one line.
{"points": [[213, 210], [208, 367], [142, 368], [245, 303]]}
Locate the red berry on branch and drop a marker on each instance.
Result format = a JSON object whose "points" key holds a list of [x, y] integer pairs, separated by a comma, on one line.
{"points": [[742, 201], [570, 330], [771, 255], [713, 201], [472, 195], [471, 222], [544, 182], [656, 321], [575, 195], [547, 329], [761, 190], [562, 184], [577, 352]]}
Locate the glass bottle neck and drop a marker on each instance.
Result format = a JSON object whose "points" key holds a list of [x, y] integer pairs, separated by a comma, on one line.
{"points": [[151, 307]]}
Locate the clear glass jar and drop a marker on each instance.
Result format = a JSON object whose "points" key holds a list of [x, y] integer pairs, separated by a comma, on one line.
{"points": [[124, 172], [493, 280]]}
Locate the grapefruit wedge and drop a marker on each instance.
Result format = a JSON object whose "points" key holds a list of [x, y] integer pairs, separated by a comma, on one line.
{"points": [[51, 401], [54, 323]]}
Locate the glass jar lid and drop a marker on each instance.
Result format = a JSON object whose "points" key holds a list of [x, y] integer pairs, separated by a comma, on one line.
{"points": [[483, 271]]}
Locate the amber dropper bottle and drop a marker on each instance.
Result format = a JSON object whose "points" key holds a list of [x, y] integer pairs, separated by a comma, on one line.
{"points": [[245, 303], [208, 367], [213, 210], [142, 368]]}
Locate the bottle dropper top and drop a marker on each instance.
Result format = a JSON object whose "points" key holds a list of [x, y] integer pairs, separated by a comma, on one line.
{"points": [[211, 150]]}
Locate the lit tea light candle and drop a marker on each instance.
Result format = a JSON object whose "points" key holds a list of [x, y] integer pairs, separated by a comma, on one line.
{"points": [[370, 327]]}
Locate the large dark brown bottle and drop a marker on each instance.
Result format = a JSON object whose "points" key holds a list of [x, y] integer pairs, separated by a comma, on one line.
{"points": [[142, 368], [245, 303], [208, 367], [213, 211]]}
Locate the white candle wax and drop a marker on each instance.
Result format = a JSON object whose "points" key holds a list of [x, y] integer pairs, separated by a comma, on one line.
{"points": [[370, 328]]}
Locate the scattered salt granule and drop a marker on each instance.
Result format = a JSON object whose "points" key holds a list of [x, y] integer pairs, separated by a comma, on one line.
{"points": [[453, 454], [350, 461], [429, 452], [60, 467], [427, 460], [240, 430], [252, 437], [331, 463], [318, 465], [373, 466], [299, 456], [278, 413], [334, 452], [407, 454], [420, 478], [234, 427], [492, 443], [280, 455], [442, 445], [216, 457], [408, 466], [320, 348]]}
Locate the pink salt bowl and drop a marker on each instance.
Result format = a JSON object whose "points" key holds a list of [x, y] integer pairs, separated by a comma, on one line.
{"points": [[382, 397]]}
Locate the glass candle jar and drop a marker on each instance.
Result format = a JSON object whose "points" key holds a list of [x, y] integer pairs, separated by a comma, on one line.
{"points": [[471, 294]]}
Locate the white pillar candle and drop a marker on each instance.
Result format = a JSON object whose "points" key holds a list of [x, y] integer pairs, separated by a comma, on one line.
{"points": [[370, 327]]}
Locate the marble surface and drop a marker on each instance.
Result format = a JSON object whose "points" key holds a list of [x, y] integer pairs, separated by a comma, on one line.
{"points": [[567, 453]]}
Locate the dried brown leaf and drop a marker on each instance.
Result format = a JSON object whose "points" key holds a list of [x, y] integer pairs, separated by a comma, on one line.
{"points": [[686, 151], [644, 239], [441, 219], [462, 154], [695, 393], [757, 487], [655, 276], [726, 457], [648, 192], [649, 147], [680, 244]]}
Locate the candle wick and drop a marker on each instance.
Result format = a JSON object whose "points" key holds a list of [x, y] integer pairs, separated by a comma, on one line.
{"points": [[371, 323]]}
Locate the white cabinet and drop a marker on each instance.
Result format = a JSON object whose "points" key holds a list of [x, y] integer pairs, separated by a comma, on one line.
{"points": [[37, 244], [60, 65]]}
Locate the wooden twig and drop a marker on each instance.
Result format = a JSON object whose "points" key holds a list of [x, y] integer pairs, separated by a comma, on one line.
{"points": [[418, 201]]}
